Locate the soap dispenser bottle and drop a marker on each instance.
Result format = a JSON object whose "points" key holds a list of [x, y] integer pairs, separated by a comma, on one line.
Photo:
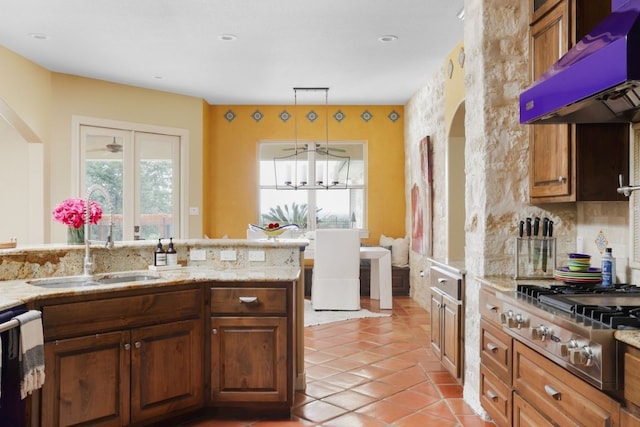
{"points": [[172, 254], [159, 255]]}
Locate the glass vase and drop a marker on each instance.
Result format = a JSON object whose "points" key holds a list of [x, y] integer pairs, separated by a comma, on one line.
{"points": [[75, 236]]}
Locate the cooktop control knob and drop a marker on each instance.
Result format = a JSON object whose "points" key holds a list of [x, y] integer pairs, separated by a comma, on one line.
{"points": [[504, 317], [566, 346], [541, 333], [518, 321], [581, 356]]}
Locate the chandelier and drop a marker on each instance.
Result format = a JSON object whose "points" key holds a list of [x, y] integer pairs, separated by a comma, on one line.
{"points": [[312, 165]]}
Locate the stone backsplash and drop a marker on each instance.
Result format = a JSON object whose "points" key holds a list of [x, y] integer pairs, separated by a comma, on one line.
{"points": [[63, 260]]}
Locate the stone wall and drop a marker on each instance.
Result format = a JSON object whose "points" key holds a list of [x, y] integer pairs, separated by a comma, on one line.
{"points": [[496, 160]]}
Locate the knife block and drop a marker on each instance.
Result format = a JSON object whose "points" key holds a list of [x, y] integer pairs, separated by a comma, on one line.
{"points": [[531, 253]]}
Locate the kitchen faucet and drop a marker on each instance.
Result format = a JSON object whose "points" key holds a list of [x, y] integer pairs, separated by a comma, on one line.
{"points": [[89, 266]]}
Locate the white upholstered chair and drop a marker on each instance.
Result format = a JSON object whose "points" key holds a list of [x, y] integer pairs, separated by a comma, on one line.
{"points": [[336, 270]]}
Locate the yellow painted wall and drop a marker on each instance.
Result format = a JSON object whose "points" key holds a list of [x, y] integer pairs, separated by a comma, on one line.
{"points": [[230, 162], [454, 86]]}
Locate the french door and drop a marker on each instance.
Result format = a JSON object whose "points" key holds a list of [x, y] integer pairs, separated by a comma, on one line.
{"points": [[141, 171]]}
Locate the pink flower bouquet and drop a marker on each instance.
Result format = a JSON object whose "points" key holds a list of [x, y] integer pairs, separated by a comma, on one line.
{"points": [[71, 212]]}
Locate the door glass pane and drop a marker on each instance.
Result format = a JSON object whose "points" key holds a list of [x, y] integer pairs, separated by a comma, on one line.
{"points": [[104, 166], [157, 185]]}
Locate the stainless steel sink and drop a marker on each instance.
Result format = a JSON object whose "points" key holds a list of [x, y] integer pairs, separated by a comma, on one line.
{"points": [[128, 278], [79, 281]]}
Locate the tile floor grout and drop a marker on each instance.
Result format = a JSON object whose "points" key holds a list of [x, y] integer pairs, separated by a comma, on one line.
{"points": [[373, 372]]}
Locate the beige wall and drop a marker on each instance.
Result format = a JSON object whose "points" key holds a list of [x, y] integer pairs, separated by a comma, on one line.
{"points": [[47, 101], [80, 96]]}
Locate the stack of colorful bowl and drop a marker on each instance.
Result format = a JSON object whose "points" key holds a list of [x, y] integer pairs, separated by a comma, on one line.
{"points": [[579, 262]]}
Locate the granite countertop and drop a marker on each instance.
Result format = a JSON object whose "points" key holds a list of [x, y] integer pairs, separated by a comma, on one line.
{"points": [[629, 337], [453, 265], [18, 292]]}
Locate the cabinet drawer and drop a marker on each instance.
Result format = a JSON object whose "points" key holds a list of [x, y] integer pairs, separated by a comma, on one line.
{"points": [[496, 397], [490, 306], [496, 350], [111, 314], [563, 397], [252, 301], [447, 282]]}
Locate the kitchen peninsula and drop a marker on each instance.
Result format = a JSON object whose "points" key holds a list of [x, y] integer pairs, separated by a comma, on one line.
{"points": [[153, 344]]}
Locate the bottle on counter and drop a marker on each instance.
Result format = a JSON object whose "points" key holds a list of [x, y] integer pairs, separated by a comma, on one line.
{"points": [[172, 254], [159, 255], [608, 268]]}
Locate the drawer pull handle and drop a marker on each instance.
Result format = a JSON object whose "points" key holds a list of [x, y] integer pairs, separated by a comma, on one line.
{"points": [[492, 348], [552, 392], [492, 395], [248, 300], [492, 307], [442, 281]]}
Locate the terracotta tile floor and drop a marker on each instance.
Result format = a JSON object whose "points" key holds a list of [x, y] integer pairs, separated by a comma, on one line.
{"points": [[373, 372]]}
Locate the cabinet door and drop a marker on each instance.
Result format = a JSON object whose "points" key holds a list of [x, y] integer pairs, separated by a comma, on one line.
{"points": [[166, 369], [549, 145], [87, 381], [451, 335], [525, 415], [249, 360], [436, 324]]}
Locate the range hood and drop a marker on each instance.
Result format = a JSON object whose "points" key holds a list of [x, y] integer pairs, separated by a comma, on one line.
{"points": [[597, 81]]}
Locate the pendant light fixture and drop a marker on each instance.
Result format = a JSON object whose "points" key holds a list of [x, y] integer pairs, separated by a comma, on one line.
{"points": [[312, 165]]}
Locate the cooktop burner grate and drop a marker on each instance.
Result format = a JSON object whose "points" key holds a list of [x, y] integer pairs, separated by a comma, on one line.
{"points": [[605, 305]]}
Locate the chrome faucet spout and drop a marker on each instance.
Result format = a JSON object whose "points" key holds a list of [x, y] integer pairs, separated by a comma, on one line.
{"points": [[89, 265]]}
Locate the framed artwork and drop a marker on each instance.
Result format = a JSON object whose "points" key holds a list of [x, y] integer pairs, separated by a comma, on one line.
{"points": [[422, 202]]}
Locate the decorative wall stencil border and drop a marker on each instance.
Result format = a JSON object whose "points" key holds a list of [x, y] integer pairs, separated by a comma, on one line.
{"points": [[257, 116], [312, 116], [284, 116], [229, 115]]}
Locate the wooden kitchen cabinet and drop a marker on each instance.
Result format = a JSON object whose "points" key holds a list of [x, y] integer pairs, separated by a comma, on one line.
{"points": [[135, 359], [496, 348], [251, 345], [446, 319], [557, 395], [571, 162]]}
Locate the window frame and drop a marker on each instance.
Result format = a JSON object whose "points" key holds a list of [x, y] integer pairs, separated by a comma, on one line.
{"points": [[311, 198]]}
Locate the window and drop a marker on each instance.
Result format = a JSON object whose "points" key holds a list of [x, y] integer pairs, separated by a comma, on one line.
{"points": [[318, 208], [141, 170]]}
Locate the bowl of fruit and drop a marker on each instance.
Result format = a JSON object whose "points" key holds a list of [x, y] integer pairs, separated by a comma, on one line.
{"points": [[273, 230]]}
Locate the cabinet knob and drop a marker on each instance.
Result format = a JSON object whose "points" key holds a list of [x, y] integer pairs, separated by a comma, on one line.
{"points": [[561, 179], [214, 331], [137, 344], [127, 346]]}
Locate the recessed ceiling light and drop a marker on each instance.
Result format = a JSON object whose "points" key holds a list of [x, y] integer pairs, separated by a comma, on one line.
{"points": [[227, 37], [39, 36], [387, 38]]}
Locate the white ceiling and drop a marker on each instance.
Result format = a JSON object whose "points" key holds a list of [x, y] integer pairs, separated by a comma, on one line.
{"points": [[280, 44]]}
